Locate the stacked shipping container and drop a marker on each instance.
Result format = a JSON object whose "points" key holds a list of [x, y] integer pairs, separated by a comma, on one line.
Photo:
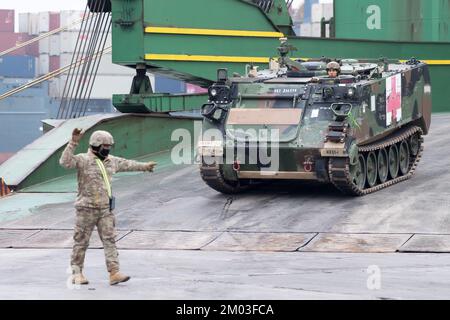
{"points": [[24, 111], [308, 22], [57, 51], [17, 66], [21, 114], [20, 63]]}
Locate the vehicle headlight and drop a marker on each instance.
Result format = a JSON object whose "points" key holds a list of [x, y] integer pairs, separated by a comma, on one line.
{"points": [[351, 92]]}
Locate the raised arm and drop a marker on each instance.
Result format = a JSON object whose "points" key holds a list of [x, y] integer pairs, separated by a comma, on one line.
{"points": [[131, 165], [68, 159]]}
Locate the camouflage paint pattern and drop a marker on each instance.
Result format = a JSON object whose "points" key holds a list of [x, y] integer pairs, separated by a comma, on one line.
{"points": [[86, 220], [302, 142]]}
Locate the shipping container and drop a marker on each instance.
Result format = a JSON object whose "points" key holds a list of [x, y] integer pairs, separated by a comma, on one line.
{"points": [[167, 85], [68, 17], [18, 66], [25, 110], [55, 20], [38, 90], [24, 23], [6, 20], [33, 48], [106, 67], [69, 40], [306, 30], [55, 63], [33, 24], [44, 64], [36, 23], [308, 10], [65, 59], [28, 123], [44, 46], [104, 86], [321, 10], [316, 29], [10, 40], [55, 45], [96, 106], [44, 22], [54, 89]]}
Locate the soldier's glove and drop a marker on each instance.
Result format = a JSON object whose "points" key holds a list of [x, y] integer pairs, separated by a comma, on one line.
{"points": [[150, 166], [76, 135]]}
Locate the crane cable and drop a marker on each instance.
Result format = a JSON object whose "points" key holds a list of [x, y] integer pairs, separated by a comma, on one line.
{"points": [[50, 75], [80, 80]]}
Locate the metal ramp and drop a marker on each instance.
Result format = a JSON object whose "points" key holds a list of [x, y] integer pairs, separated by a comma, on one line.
{"points": [[19, 167]]}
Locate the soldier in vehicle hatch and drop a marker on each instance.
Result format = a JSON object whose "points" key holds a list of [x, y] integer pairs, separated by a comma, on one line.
{"points": [[95, 202], [333, 69]]}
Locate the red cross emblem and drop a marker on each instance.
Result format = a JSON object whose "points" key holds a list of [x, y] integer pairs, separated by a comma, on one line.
{"points": [[394, 100]]}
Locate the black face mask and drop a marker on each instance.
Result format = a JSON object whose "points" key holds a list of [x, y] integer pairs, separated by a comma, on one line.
{"points": [[100, 152], [104, 152]]}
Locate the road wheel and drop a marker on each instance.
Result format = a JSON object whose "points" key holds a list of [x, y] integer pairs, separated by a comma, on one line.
{"points": [[383, 165], [414, 144], [404, 158], [372, 170], [358, 172], [393, 161]]}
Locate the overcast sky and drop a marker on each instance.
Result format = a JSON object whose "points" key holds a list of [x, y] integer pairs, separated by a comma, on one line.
{"points": [[42, 5]]}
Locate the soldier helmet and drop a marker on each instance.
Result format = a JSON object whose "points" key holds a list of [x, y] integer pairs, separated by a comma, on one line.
{"points": [[333, 65], [101, 137]]}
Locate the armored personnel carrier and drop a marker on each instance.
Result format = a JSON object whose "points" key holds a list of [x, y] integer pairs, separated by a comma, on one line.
{"points": [[361, 131]]}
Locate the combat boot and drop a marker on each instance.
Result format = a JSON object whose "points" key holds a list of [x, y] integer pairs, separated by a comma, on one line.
{"points": [[79, 278], [116, 277]]}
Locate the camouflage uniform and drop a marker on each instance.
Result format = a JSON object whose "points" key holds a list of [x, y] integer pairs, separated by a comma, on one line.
{"points": [[92, 202]]}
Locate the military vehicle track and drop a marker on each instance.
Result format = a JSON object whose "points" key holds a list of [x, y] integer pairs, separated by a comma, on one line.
{"points": [[213, 177], [340, 168]]}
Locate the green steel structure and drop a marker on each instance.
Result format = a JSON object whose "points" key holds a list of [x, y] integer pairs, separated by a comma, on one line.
{"points": [[190, 40], [399, 20]]}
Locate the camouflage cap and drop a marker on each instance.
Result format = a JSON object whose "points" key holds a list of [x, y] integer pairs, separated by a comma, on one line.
{"points": [[333, 65], [101, 137]]}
